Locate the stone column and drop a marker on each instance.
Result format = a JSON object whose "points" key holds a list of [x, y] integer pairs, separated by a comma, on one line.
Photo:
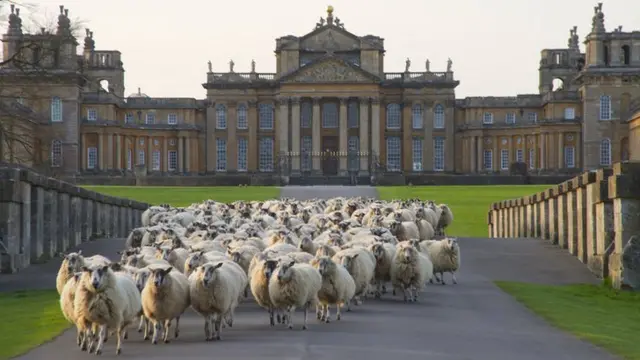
{"points": [[187, 154], [283, 125], [582, 214], [110, 161], [63, 216], [118, 161], [83, 147], [136, 149], [101, 153], [342, 131], [181, 153], [553, 215], [473, 156], [37, 223], [165, 155], [149, 154], [375, 127], [479, 153], [316, 139], [211, 136], [295, 134], [364, 135], [572, 222], [543, 218], [561, 164], [563, 226], [543, 151]]}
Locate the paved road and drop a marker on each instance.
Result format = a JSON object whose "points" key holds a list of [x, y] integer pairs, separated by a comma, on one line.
{"points": [[472, 320]]}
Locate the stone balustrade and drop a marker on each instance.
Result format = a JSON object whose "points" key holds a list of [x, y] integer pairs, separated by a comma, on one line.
{"points": [[41, 216], [592, 216]]}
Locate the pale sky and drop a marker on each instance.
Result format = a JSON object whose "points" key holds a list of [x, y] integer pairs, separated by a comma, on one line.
{"points": [[494, 44]]}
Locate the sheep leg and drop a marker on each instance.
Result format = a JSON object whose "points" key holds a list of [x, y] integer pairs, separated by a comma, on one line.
{"points": [[119, 336], [338, 311], [167, 329], [84, 341], [157, 327], [141, 324], [453, 276], [176, 333], [414, 295], [218, 326], [442, 278], [147, 328], [289, 317], [306, 313], [407, 294], [207, 328], [271, 319], [103, 334], [378, 293], [348, 305], [229, 319], [279, 317], [79, 338], [327, 314], [319, 311]]}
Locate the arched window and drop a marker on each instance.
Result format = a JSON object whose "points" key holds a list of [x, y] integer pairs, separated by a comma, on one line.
{"points": [[56, 153], [394, 117], [438, 117], [221, 116], [605, 152], [243, 122], [417, 118], [56, 109], [605, 107]]}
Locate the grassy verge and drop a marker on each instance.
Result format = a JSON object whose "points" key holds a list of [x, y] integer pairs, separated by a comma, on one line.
{"points": [[468, 203], [605, 317], [29, 318], [183, 196]]}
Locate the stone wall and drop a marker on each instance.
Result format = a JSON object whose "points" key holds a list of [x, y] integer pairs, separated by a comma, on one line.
{"points": [[42, 216], [592, 216]]}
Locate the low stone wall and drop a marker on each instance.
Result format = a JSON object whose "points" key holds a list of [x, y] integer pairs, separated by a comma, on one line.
{"points": [[592, 216], [42, 216]]}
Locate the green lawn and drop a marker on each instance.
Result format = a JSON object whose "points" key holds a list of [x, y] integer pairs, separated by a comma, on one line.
{"points": [[605, 317], [29, 318], [469, 204], [183, 196]]}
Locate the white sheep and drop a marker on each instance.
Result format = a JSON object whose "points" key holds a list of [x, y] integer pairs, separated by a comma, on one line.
{"points": [[445, 256], [410, 270], [72, 263], [338, 287], [405, 230], [361, 264], [66, 302], [384, 254], [260, 273], [295, 285], [165, 297], [174, 256], [198, 258], [106, 299], [446, 218], [215, 290]]}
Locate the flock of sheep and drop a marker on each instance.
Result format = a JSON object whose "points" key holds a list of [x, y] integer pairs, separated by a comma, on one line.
{"points": [[287, 254]]}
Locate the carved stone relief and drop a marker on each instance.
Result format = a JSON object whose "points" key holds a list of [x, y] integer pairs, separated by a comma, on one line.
{"points": [[330, 71], [330, 40]]}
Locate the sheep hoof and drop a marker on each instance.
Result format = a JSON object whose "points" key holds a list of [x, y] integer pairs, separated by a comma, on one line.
{"points": [[304, 327], [126, 335], [378, 295], [327, 320], [118, 351], [145, 338], [279, 319], [166, 341], [98, 352], [290, 327], [394, 292], [139, 330], [338, 317], [218, 337], [154, 342]]}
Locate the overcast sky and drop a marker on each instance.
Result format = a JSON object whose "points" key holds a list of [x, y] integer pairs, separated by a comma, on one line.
{"points": [[494, 44]]}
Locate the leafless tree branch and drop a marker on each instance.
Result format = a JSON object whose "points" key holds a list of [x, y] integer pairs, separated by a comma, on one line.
{"points": [[26, 72]]}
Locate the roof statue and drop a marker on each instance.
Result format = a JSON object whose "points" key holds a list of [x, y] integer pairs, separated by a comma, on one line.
{"points": [[427, 65], [253, 66], [449, 64], [407, 65], [210, 66], [231, 65]]}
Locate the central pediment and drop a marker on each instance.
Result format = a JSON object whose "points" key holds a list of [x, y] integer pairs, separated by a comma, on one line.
{"points": [[329, 70]]}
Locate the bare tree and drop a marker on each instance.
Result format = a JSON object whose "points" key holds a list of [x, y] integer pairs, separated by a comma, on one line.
{"points": [[33, 61]]}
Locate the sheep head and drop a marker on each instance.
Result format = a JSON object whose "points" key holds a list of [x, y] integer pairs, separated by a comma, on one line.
{"points": [[141, 278], [348, 261], [407, 253], [98, 277], [305, 243], [397, 215], [344, 225], [394, 227], [420, 213], [74, 260], [235, 256], [209, 272], [284, 273], [415, 243], [377, 250], [324, 264]]}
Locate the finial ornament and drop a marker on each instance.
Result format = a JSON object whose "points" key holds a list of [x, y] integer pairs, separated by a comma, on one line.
{"points": [[231, 65], [320, 23], [330, 15], [210, 66], [407, 65]]}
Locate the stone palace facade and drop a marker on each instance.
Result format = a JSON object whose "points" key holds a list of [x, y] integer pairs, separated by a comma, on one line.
{"points": [[328, 109]]}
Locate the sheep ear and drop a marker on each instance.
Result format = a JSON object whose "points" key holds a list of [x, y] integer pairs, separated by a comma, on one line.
{"points": [[293, 262], [218, 265], [355, 256], [115, 266], [168, 270], [86, 269], [79, 252], [105, 268]]}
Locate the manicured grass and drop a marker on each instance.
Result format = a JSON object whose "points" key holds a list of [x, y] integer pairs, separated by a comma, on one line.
{"points": [[469, 204], [29, 318], [605, 317], [184, 196]]}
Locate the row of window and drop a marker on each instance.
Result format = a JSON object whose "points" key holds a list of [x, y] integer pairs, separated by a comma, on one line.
{"points": [[172, 159], [266, 154], [505, 158], [394, 117], [394, 153], [266, 115]]}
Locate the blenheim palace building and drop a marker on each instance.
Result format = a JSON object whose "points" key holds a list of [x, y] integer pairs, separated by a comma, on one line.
{"points": [[329, 108]]}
